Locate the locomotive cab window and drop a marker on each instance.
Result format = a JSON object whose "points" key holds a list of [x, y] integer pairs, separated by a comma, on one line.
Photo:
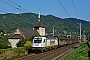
{"points": [[37, 40]]}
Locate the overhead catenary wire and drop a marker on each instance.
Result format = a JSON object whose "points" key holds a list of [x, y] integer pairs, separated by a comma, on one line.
{"points": [[74, 8], [77, 16], [64, 8], [2, 11], [66, 11], [18, 6], [11, 5], [5, 9]]}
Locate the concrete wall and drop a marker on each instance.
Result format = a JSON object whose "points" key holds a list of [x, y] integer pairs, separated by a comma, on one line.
{"points": [[13, 42]]}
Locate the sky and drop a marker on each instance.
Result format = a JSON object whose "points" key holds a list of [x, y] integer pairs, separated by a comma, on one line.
{"points": [[47, 7]]}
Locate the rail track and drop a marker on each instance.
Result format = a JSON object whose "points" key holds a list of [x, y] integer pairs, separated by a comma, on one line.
{"points": [[54, 54]]}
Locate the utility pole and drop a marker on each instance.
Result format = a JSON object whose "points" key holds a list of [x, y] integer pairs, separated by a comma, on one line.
{"points": [[84, 36], [80, 30], [53, 30], [88, 36], [70, 35]]}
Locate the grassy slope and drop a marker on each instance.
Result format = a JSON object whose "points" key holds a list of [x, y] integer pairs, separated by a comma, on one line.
{"points": [[12, 52], [80, 53]]}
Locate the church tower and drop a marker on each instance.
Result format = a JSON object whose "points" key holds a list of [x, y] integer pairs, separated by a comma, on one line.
{"points": [[39, 16], [39, 26]]}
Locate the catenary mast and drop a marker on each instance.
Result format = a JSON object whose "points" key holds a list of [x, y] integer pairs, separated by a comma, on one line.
{"points": [[80, 30]]}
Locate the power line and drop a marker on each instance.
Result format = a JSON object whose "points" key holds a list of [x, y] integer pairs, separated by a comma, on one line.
{"points": [[18, 5], [2, 11], [63, 8], [5, 9], [75, 8], [10, 5], [19, 8], [77, 16]]}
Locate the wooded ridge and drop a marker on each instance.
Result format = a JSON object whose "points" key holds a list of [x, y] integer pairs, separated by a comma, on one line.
{"points": [[9, 22]]}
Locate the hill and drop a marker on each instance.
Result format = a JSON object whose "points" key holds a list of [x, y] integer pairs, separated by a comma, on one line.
{"points": [[9, 22], [84, 23]]}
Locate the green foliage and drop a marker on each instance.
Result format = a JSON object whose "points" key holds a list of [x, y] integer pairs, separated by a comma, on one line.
{"points": [[28, 44], [4, 43], [21, 42], [9, 22], [80, 53], [12, 52], [19, 50], [2, 51], [24, 42]]}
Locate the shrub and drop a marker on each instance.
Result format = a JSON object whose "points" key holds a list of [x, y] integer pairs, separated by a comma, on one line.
{"points": [[12, 52], [28, 44]]}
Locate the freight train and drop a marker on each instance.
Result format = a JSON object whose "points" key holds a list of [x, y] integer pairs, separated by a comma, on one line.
{"points": [[41, 44]]}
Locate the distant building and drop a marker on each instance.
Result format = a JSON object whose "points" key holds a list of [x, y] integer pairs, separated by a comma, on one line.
{"points": [[26, 33], [14, 39], [39, 26], [38, 30], [21, 32]]}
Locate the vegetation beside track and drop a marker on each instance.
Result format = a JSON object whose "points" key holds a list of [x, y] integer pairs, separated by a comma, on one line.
{"points": [[81, 53], [12, 52]]}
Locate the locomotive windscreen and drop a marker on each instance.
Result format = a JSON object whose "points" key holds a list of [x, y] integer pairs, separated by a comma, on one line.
{"points": [[37, 40]]}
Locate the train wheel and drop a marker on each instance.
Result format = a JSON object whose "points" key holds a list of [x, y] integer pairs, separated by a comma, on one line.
{"points": [[42, 50], [37, 51], [45, 50]]}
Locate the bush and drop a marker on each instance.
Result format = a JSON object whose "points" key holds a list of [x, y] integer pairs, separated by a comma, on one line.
{"points": [[21, 42], [4, 43], [25, 42], [28, 44]]}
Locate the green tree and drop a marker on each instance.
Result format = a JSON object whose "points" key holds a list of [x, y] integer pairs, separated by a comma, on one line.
{"points": [[21, 42], [24, 41], [28, 44], [4, 43]]}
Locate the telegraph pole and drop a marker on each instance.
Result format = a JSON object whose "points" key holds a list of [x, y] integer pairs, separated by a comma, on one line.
{"points": [[88, 36], [80, 30], [84, 36], [53, 30]]}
